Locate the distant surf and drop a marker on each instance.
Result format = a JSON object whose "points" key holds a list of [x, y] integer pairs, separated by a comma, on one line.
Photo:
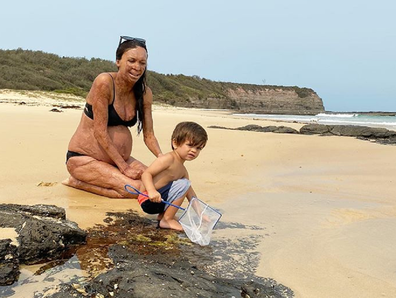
{"points": [[388, 122]]}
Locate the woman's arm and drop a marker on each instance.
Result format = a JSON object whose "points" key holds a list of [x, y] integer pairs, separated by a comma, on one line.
{"points": [[148, 127], [100, 97]]}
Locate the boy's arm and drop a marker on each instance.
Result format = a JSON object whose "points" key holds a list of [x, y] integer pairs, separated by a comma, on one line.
{"points": [[190, 193], [159, 165]]}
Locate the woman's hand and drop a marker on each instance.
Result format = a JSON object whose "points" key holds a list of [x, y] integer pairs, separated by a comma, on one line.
{"points": [[132, 173]]}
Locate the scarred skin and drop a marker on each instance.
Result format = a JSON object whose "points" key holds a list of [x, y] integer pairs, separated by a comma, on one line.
{"points": [[107, 165]]}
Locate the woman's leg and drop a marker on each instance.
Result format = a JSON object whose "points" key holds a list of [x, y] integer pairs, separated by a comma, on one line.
{"points": [[101, 178]]}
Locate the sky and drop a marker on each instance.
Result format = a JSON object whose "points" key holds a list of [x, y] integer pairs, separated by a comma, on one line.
{"points": [[345, 50]]}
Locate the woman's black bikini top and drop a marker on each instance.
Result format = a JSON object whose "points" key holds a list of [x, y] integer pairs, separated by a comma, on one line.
{"points": [[114, 119]]}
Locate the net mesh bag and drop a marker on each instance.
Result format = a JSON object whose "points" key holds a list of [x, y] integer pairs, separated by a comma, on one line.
{"points": [[198, 221]]}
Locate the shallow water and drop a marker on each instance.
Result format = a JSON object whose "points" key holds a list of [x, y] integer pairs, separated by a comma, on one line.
{"points": [[388, 122]]}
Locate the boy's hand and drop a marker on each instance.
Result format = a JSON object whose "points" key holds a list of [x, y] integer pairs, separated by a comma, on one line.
{"points": [[154, 196], [205, 219]]}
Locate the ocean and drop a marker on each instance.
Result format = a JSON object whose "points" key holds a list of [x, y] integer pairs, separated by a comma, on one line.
{"points": [[371, 120]]}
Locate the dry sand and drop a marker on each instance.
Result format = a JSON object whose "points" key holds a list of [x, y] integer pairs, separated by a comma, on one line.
{"points": [[326, 205]]}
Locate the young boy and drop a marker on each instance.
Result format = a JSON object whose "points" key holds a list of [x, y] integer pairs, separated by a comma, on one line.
{"points": [[167, 177]]}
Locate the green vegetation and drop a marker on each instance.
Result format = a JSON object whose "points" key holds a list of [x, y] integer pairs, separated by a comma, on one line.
{"points": [[35, 70]]}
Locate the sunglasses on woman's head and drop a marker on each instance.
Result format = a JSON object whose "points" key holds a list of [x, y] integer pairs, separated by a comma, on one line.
{"points": [[128, 38]]}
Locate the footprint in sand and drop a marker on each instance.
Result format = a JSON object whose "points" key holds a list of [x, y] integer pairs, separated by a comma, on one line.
{"points": [[42, 183]]}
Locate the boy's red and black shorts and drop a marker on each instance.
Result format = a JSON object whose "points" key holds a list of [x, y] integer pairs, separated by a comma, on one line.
{"points": [[172, 191]]}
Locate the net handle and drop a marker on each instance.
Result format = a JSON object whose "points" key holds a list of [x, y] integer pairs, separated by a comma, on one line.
{"points": [[137, 192]]}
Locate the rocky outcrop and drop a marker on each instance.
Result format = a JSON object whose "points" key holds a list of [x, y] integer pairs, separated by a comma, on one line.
{"points": [[271, 128], [247, 98], [141, 277], [9, 263], [142, 261], [258, 128], [43, 233], [379, 135], [276, 100], [40, 210], [261, 100]]}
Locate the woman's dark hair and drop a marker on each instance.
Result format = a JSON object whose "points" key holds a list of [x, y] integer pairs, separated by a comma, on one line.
{"points": [[140, 86]]}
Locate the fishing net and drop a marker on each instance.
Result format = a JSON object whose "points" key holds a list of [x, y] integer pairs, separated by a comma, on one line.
{"points": [[198, 221]]}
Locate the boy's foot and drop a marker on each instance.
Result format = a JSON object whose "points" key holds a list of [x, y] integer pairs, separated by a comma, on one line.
{"points": [[170, 224], [161, 215]]}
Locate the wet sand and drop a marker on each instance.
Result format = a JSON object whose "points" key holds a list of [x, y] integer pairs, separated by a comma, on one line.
{"points": [[324, 206]]}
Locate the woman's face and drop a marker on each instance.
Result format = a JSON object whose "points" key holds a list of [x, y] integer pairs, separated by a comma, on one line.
{"points": [[133, 63]]}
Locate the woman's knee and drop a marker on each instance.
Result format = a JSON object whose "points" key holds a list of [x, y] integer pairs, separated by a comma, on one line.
{"points": [[74, 163], [135, 184]]}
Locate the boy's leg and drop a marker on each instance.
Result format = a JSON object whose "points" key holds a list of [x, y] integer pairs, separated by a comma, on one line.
{"points": [[175, 195], [168, 220]]}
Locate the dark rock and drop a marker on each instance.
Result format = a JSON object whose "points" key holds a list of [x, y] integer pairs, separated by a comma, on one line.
{"points": [[39, 210], [271, 128], [62, 291], [250, 127], [68, 106], [9, 263], [137, 276], [387, 141], [146, 262], [312, 129], [256, 290], [361, 131], [219, 127], [258, 128], [285, 129], [56, 110], [40, 236], [379, 135]]}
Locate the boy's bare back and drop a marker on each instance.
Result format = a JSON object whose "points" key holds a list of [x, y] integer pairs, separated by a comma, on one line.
{"points": [[166, 168]]}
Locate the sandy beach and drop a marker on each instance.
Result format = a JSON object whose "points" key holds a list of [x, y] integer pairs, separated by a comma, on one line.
{"points": [[323, 208]]}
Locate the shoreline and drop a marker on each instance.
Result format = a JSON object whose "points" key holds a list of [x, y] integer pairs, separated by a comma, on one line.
{"points": [[313, 205], [35, 97]]}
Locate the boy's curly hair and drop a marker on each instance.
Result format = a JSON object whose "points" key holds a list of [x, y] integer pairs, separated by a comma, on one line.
{"points": [[189, 131]]}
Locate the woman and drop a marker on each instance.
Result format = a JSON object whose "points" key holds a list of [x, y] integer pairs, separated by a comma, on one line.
{"points": [[98, 157]]}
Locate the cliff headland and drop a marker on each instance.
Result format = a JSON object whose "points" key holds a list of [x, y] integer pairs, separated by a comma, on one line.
{"points": [[35, 70]]}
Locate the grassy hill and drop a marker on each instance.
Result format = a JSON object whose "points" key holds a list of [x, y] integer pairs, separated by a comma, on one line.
{"points": [[36, 70]]}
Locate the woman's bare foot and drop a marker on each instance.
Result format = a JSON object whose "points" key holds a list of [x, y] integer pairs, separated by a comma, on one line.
{"points": [[71, 181], [110, 193], [170, 224]]}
